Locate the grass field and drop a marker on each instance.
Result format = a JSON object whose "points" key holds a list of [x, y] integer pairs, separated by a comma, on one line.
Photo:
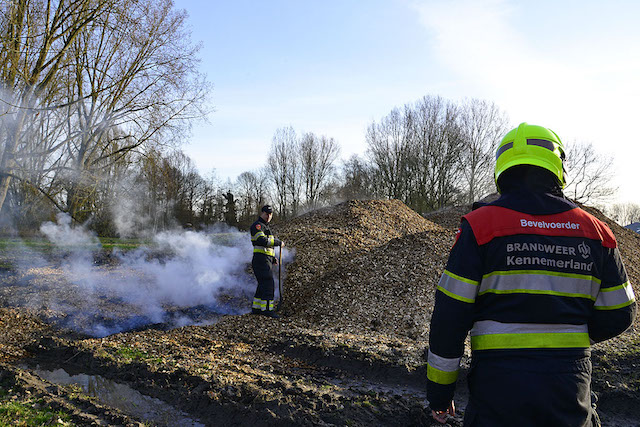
{"points": [[43, 245], [106, 243]]}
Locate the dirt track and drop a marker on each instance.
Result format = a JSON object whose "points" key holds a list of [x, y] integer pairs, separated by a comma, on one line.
{"points": [[340, 356]]}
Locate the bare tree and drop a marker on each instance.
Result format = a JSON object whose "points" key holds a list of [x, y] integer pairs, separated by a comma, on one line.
{"points": [[284, 169], [317, 155], [149, 66], [245, 184], [439, 146], [358, 178], [482, 125], [209, 212], [625, 213], [389, 148], [588, 174], [252, 192], [416, 154]]}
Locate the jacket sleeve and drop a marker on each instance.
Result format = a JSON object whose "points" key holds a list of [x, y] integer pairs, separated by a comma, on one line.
{"points": [[452, 317], [615, 306]]}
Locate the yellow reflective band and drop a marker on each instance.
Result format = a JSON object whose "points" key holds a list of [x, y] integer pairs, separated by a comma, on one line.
{"points": [[615, 288], [441, 377], [258, 235], [462, 279], [263, 250], [544, 272], [461, 288], [540, 284], [535, 292], [259, 303], [454, 296], [516, 341], [271, 240], [613, 307], [615, 297]]}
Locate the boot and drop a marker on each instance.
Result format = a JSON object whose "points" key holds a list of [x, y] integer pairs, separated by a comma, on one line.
{"points": [[270, 313]]}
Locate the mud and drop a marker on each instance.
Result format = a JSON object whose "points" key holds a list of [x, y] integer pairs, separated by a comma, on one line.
{"points": [[119, 396], [306, 390], [307, 385]]}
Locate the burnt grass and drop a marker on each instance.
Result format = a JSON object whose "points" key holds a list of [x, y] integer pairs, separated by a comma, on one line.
{"points": [[355, 365]]}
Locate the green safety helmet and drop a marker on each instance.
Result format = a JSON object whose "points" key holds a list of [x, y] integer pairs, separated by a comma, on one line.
{"points": [[531, 145]]}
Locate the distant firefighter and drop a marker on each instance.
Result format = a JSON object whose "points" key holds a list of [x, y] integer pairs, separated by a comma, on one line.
{"points": [[535, 280], [263, 260]]}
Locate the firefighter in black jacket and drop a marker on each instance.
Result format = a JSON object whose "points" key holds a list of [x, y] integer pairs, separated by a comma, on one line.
{"points": [[263, 260], [535, 280]]}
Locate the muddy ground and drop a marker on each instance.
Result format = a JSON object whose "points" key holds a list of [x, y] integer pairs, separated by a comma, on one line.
{"points": [[244, 370], [335, 357]]}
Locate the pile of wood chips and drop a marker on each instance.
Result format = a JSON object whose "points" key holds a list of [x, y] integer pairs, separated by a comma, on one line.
{"points": [[365, 266]]}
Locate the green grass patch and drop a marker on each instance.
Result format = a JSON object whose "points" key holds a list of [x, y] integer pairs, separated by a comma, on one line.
{"points": [[366, 404], [10, 244], [45, 246], [135, 355], [110, 243], [30, 413]]}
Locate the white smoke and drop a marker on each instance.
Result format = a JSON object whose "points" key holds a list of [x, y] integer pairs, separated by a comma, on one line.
{"points": [[127, 213], [181, 277], [126, 217], [197, 270], [63, 235]]}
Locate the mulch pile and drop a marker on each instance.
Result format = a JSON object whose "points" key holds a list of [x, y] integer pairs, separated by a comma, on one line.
{"points": [[372, 266], [629, 245], [365, 266]]}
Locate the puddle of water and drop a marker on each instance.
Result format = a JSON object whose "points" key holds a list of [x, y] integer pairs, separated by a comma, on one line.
{"points": [[122, 397]]}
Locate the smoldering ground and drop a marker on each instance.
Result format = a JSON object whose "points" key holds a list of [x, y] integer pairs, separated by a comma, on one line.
{"points": [[180, 277]]}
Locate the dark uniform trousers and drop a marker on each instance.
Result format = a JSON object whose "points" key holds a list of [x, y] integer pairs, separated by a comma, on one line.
{"points": [[536, 391], [263, 269]]}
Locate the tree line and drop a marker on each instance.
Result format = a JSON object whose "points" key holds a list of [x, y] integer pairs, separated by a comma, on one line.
{"points": [[430, 154], [97, 95]]}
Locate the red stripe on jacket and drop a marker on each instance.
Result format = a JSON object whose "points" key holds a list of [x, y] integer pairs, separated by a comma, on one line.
{"points": [[489, 222]]}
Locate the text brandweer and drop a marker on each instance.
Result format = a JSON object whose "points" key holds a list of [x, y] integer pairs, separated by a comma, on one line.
{"points": [[539, 247]]}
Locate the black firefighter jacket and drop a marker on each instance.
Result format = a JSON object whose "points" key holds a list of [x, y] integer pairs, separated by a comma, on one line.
{"points": [[261, 238], [529, 275]]}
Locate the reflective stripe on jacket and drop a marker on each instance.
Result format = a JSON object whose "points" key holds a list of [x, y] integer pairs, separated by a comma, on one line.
{"points": [[262, 239]]}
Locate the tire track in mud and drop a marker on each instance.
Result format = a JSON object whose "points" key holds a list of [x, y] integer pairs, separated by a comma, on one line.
{"points": [[372, 378]]}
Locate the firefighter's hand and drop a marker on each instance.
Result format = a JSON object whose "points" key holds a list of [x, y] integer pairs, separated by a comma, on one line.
{"points": [[275, 261], [281, 243], [441, 416]]}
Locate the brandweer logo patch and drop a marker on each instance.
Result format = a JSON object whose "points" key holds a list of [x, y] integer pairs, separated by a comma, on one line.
{"points": [[584, 250]]}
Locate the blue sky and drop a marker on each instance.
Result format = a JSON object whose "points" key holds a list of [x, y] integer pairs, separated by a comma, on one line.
{"points": [[332, 67]]}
